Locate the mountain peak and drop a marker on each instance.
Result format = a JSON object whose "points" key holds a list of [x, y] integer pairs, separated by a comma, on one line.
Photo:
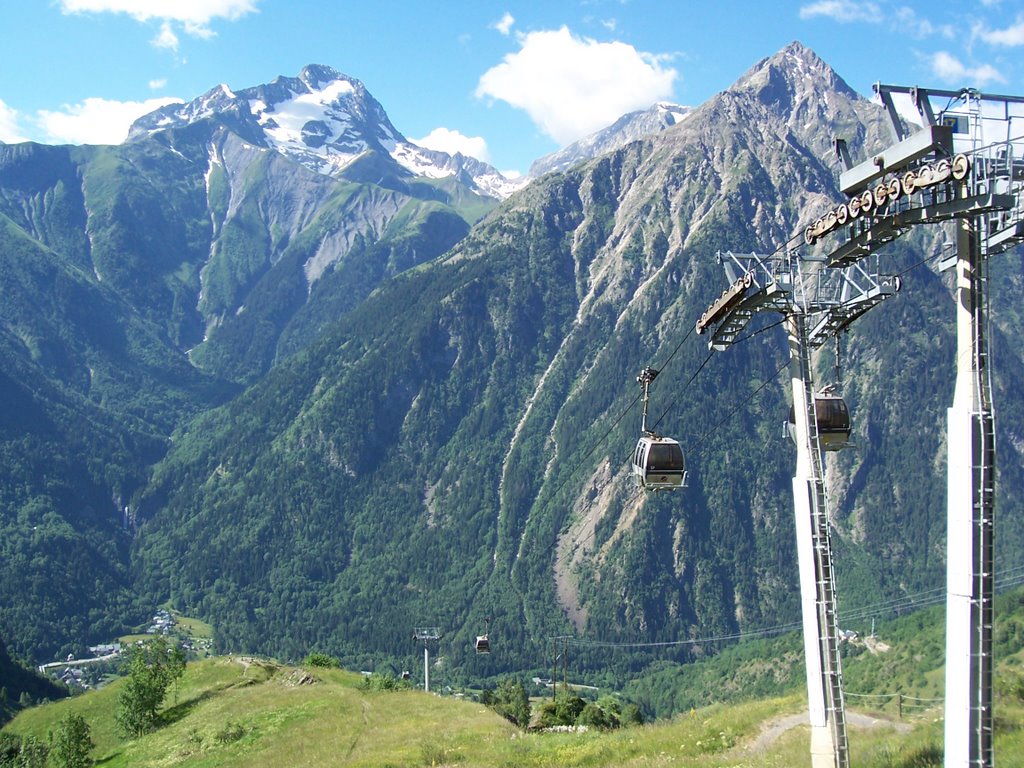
{"points": [[317, 75], [801, 91], [629, 127], [790, 74], [324, 120]]}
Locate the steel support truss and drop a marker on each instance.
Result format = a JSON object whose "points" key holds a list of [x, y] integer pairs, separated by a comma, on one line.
{"points": [[966, 165], [816, 303]]}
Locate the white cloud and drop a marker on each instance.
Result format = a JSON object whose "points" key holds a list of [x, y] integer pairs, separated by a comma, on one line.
{"points": [[194, 16], [186, 11], [843, 11], [505, 24], [571, 86], [166, 38], [95, 120], [446, 140], [907, 21], [950, 69], [9, 130], [1010, 36], [156, 85]]}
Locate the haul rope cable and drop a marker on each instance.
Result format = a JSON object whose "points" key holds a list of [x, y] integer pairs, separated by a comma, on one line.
{"points": [[581, 642], [659, 370], [668, 408], [589, 538], [700, 441], [664, 413]]}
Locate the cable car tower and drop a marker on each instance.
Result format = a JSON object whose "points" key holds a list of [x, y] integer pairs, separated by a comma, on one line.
{"points": [[816, 304], [964, 164], [426, 635]]}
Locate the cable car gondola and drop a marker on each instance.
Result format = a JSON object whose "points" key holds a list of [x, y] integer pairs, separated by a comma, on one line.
{"points": [[833, 419], [483, 642], [658, 461]]}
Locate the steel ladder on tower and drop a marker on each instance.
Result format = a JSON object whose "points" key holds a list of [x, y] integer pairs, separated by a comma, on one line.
{"points": [[829, 637], [984, 495]]}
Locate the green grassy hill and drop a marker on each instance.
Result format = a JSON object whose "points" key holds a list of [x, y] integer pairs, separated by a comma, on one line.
{"points": [[242, 711], [234, 711]]}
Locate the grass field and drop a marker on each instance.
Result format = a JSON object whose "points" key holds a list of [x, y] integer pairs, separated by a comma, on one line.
{"points": [[238, 711]]}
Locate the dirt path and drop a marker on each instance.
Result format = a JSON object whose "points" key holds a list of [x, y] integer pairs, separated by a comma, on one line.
{"points": [[773, 729]]}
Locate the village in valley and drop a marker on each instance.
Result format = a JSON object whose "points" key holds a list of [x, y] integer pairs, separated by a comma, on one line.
{"points": [[88, 672]]}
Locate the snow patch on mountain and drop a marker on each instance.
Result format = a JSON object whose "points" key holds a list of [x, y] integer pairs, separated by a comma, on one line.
{"points": [[324, 120]]}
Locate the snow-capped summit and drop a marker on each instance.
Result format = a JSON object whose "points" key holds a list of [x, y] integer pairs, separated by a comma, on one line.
{"points": [[629, 127], [324, 120]]}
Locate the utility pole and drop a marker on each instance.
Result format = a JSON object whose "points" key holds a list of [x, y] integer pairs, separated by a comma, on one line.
{"points": [[562, 656]]}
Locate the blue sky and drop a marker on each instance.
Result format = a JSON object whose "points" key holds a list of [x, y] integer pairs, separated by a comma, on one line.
{"points": [[504, 81]]}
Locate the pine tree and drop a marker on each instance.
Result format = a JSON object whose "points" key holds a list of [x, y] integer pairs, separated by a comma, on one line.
{"points": [[511, 702], [32, 753]]}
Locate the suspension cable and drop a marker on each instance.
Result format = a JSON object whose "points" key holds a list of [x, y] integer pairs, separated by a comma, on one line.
{"points": [[886, 606], [701, 440]]}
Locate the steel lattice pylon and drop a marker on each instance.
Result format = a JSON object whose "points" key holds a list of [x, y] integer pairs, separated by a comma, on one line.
{"points": [[816, 303], [965, 164]]}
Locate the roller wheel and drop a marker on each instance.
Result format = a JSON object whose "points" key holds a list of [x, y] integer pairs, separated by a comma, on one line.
{"points": [[881, 195], [895, 188], [830, 221], [909, 183], [960, 167]]}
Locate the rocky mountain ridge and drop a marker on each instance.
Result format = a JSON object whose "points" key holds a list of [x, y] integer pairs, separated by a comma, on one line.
{"points": [[489, 422], [323, 120], [629, 127]]}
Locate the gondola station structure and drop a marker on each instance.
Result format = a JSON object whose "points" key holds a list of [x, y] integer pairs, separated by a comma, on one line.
{"points": [[964, 164]]}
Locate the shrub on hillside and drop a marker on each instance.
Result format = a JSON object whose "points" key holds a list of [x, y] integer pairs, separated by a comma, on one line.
{"points": [[510, 701], [383, 682], [322, 660]]}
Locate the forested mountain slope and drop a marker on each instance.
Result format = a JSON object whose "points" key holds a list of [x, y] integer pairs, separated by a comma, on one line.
{"points": [[142, 284], [454, 450]]}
